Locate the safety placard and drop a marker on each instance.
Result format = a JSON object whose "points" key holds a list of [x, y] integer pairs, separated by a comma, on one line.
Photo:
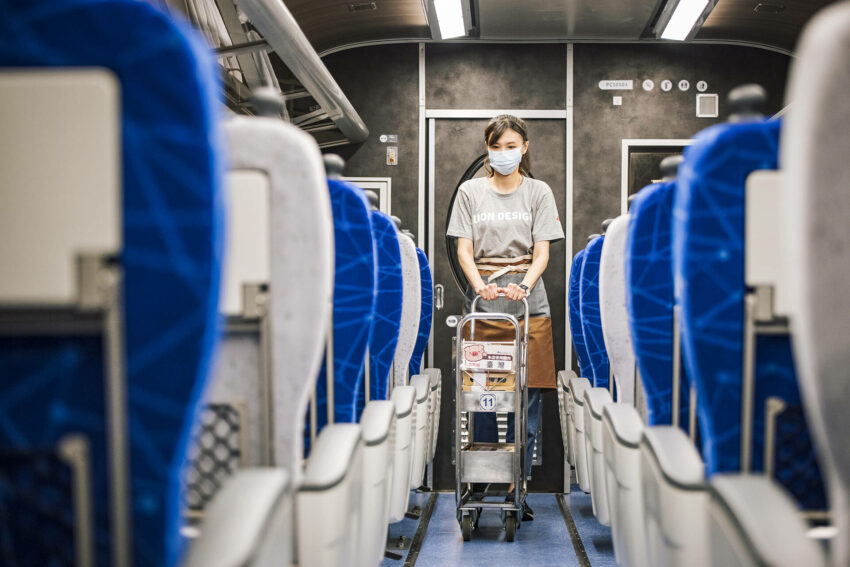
{"points": [[487, 402], [489, 356]]}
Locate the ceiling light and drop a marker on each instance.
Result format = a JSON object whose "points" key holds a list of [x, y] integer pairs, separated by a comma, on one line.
{"points": [[450, 18], [685, 16]]}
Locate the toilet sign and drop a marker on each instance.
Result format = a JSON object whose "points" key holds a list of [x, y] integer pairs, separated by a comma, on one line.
{"points": [[616, 85]]}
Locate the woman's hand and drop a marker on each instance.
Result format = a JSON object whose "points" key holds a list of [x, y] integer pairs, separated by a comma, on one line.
{"points": [[514, 292], [488, 291]]}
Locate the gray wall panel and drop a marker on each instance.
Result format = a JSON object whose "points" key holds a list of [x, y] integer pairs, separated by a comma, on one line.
{"points": [[600, 126], [496, 76], [382, 84]]}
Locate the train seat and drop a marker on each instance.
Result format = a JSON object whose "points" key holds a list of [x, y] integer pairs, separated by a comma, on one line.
{"points": [[435, 400], [378, 426], [595, 400], [564, 377], [591, 322], [272, 166], [575, 398], [814, 275], [650, 307], [385, 328], [592, 328], [425, 425], [87, 369], [618, 344], [576, 452], [422, 384], [404, 399]]}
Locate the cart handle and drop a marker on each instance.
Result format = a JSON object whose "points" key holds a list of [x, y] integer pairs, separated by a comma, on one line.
{"points": [[501, 294]]}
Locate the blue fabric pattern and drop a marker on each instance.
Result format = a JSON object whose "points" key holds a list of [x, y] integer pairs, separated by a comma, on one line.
{"points": [[355, 294], [427, 313], [573, 296], [649, 300], [388, 307], [172, 170], [591, 319], [708, 260]]}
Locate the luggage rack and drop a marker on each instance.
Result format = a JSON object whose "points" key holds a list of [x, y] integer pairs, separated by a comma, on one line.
{"points": [[480, 463]]}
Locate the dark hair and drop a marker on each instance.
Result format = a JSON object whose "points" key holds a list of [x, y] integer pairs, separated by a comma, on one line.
{"points": [[494, 130]]}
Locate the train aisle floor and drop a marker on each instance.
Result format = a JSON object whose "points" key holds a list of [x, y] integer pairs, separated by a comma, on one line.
{"points": [[545, 541]]}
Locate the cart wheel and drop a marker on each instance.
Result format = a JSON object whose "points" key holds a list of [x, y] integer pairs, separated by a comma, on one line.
{"points": [[466, 527], [510, 526]]}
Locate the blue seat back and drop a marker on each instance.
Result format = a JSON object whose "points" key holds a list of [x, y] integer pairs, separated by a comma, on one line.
{"points": [[172, 233], [387, 319], [355, 279], [591, 319], [708, 261], [574, 298], [426, 314], [649, 300]]}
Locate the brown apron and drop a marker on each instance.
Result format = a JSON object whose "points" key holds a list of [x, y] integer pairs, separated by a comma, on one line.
{"points": [[541, 350]]}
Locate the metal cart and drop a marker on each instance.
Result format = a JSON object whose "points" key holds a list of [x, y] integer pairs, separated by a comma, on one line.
{"points": [[485, 463]]}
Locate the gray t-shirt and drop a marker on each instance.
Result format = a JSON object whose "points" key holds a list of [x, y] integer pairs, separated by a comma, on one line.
{"points": [[505, 226]]}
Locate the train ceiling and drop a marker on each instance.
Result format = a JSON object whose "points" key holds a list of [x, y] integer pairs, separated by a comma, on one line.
{"points": [[335, 24]]}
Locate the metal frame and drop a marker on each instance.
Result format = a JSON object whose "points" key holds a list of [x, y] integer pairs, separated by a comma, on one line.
{"points": [[627, 144], [382, 185], [520, 403], [490, 113]]}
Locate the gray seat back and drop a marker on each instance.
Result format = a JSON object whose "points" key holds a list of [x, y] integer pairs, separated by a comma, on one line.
{"points": [[817, 207]]}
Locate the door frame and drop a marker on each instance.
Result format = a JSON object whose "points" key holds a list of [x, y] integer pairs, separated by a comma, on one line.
{"points": [[627, 145], [432, 115]]}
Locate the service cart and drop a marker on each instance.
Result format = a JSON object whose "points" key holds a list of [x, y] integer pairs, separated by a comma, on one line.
{"points": [[490, 377]]}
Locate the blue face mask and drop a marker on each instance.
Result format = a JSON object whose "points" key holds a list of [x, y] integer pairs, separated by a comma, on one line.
{"points": [[505, 162]]}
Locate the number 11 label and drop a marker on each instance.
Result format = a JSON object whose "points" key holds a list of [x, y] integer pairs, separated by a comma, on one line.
{"points": [[487, 402]]}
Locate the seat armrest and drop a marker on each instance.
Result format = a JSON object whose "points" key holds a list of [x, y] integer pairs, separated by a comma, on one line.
{"points": [[422, 384], [676, 456], [435, 374], [238, 518], [331, 457], [625, 424], [596, 399], [376, 420], [564, 377], [771, 527], [578, 387], [403, 397]]}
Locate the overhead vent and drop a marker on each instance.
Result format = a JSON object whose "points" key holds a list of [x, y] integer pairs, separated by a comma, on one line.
{"points": [[362, 7]]}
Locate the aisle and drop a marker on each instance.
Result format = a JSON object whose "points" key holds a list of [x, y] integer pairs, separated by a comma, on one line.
{"points": [[545, 541]]}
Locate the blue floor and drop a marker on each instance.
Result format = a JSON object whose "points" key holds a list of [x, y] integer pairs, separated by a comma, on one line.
{"points": [[545, 541]]}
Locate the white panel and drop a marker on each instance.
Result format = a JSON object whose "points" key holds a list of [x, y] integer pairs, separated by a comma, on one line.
{"points": [[763, 228], [246, 259], [60, 149]]}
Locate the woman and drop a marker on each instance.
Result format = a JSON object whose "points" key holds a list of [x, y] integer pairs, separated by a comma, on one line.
{"points": [[504, 224]]}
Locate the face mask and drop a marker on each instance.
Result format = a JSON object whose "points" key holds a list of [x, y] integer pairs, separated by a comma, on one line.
{"points": [[505, 162]]}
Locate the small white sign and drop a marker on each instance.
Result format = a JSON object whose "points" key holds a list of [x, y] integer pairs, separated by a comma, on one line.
{"points": [[487, 402], [702, 86], [618, 101], [614, 85], [666, 85], [648, 85], [383, 138], [684, 85], [451, 321], [392, 155]]}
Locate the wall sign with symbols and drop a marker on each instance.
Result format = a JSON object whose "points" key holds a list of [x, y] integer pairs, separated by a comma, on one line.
{"points": [[648, 85], [487, 402], [392, 155], [451, 321], [684, 85], [666, 85], [702, 86]]}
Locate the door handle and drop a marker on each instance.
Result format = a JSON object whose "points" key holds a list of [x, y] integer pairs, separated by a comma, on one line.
{"points": [[438, 296]]}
